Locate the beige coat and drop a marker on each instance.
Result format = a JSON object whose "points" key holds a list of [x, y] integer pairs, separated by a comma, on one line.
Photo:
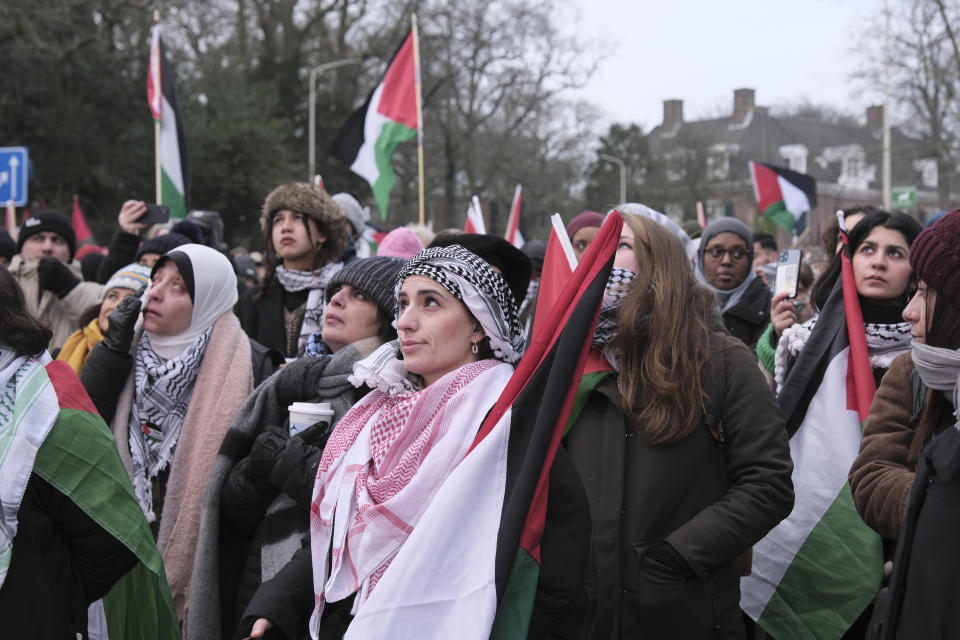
{"points": [[223, 383], [61, 315]]}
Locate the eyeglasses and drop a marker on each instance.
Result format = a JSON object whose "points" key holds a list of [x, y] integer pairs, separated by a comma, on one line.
{"points": [[737, 254]]}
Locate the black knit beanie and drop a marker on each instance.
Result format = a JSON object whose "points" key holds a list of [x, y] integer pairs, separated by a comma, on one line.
{"points": [[48, 220]]}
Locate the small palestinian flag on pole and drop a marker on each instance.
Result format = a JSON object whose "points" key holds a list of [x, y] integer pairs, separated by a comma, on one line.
{"points": [[816, 572], [11, 221], [559, 263], [782, 195], [513, 234], [474, 222], [171, 152], [79, 223], [371, 134]]}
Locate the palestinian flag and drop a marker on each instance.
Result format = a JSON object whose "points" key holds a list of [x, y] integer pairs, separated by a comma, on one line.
{"points": [[816, 572], [559, 263], [79, 458], [162, 96], [479, 538], [388, 117], [79, 223], [538, 401], [474, 222], [11, 220], [513, 234], [782, 195]]}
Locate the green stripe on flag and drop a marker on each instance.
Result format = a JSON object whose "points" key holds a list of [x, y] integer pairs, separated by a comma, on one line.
{"points": [[841, 556], [391, 134], [516, 606], [588, 383], [778, 214], [172, 197]]}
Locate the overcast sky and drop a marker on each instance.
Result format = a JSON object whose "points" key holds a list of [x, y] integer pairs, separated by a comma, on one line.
{"points": [[701, 50]]}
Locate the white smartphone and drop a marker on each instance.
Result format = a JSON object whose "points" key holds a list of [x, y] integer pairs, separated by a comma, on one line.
{"points": [[788, 272]]}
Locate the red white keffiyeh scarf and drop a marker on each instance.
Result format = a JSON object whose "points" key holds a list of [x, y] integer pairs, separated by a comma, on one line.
{"points": [[380, 470]]}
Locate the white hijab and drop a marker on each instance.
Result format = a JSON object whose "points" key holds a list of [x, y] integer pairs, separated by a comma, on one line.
{"points": [[214, 293]]}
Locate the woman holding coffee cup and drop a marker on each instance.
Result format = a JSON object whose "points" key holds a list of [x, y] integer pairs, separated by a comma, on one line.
{"points": [[256, 505], [395, 462]]}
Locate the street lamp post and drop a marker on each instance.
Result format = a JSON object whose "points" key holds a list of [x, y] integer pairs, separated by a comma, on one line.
{"points": [[312, 146], [623, 173]]}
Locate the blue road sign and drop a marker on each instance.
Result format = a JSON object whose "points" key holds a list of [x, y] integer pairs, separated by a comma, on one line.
{"points": [[14, 163]]}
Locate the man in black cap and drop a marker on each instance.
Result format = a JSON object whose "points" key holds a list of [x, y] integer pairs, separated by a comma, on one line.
{"points": [[50, 278]]}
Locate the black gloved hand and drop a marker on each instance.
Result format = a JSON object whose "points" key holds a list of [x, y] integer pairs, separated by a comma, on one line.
{"points": [[317, 434], [266, 449], [56, 277], [119, 334]]}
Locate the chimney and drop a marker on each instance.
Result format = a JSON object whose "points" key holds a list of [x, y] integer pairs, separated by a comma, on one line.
{"points": [[875, 116], [672, 113], [743, 103]]}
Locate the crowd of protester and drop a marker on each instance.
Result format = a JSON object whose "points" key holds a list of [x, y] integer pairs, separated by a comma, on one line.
{"points": [[153, 484]]}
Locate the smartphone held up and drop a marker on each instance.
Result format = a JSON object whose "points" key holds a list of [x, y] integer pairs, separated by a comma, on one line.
{"points": [[155, 214], [788, 272]]}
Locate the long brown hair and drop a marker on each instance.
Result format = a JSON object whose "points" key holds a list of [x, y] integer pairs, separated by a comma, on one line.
{"points": [[666, 326]]}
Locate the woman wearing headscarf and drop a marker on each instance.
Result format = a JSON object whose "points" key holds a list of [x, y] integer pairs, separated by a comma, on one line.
{"points": [[257, 503], [304, 231], [725, 265], [171, 403], [681, 451], [125, 282], [824, 544], [404, 510], [905, 477]]}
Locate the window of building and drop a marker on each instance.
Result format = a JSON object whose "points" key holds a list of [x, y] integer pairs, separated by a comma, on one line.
{"points": [[796, 156]]}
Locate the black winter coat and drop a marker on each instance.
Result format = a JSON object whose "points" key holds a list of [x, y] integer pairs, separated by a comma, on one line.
{"points": [[62, 561], [748, 319], [262, 319], [926, 571], [669, 521]]}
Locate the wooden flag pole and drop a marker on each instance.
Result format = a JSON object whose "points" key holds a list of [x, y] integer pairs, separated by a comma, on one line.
{"points": [[157, 124], [416, 64]]}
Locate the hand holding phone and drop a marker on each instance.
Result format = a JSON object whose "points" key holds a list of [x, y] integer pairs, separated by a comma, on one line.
{"points": [[156, 214], [788, 272]]}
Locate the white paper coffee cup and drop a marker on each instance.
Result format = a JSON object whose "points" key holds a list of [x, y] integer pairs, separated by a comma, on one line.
{"points": [[305, 414]]}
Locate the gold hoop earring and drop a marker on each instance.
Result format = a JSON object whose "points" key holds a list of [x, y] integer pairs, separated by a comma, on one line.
{"points": [[474, 348]]}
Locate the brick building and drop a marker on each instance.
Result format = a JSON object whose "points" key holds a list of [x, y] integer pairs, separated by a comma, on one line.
{"points": [[844, 158]]}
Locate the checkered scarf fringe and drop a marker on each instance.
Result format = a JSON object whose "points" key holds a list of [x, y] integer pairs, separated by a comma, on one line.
{"points": [[162, 393], [474, 283], [368, 496]]}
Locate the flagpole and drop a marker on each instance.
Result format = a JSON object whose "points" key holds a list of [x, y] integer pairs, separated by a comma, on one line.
{"points": [[157, 124], [416, 65]]}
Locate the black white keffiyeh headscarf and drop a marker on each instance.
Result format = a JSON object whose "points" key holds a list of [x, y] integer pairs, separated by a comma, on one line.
{"points": [[482, 290]]}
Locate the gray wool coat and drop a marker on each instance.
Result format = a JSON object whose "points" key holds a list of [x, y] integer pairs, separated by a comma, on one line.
{"points": [[304, 380]]}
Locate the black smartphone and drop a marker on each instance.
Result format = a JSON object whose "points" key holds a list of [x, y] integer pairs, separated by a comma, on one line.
{"points": [[156, 214], [788, 272]]}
